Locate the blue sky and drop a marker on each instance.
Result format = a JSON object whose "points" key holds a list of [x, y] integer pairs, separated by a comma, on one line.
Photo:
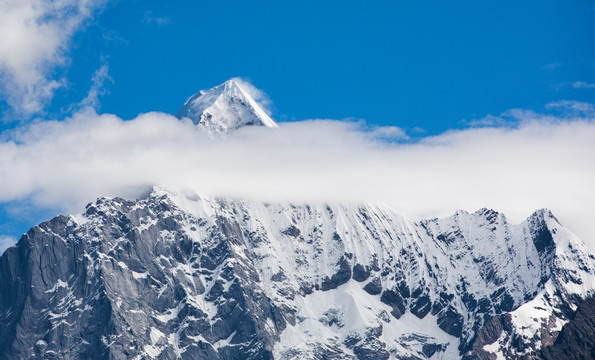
{"points": [[428, 65], [424, 66]]}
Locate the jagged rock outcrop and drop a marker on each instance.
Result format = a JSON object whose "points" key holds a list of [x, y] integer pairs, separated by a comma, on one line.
{"points": [[576, 340]]}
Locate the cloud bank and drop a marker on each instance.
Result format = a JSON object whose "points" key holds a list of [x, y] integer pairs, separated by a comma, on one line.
{"points": [[542, 161], [35, 38]]}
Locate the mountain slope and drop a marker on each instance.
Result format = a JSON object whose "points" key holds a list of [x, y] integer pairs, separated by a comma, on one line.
{"points": [[576, 338], [224, 108], [176, 275]]}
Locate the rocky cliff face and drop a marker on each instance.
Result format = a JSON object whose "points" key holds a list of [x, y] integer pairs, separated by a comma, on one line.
{"points": [[176, 276], [577, 338]]}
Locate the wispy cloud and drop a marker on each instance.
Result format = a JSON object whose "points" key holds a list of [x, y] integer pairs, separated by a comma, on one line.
{"points": [[545, 160], [568, 108], [583, 85], [6, 242], [492, 121], [150, 18], [35, 37], [551, 66], [98, 86]]}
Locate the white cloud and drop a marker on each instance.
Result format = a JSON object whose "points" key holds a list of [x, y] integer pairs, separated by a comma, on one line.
{"points": [[6, 242], [389, 133], [34, 40], [543, 161]]}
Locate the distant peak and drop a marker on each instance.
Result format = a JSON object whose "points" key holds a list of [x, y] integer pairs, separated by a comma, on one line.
{"points": [[542, 215], [225, 108]]}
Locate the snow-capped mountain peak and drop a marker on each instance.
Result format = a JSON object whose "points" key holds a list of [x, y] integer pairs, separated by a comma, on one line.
{"points": [[224, 108]]}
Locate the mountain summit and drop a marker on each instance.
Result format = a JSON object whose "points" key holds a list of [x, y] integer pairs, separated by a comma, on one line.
{"points": [[224, 108]]}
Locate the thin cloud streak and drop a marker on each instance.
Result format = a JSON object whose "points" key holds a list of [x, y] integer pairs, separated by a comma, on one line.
{"points": [[157, 20], [98, 87], [543, 161], [583, 85], [551, 66]]}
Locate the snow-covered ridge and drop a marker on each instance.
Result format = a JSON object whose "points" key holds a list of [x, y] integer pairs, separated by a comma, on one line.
{"points": [[188, 276], [224, 108]]}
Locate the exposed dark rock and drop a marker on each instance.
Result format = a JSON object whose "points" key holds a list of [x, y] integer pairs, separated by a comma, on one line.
{"points": [[507, 303], [451, 322], [339, 278], [280, 276], [292, 231], [576, 340], [361, 272], [404, 289], [543, 240], [374, 287], [421, 306], [392, 298], [484, 306], [430, 349], [486, 335], [372, 349], [469, 301]]}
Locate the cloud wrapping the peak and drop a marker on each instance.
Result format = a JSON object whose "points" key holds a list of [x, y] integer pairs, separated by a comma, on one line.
{"points": [[542, 161], [35, 39], [258, 95]]}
